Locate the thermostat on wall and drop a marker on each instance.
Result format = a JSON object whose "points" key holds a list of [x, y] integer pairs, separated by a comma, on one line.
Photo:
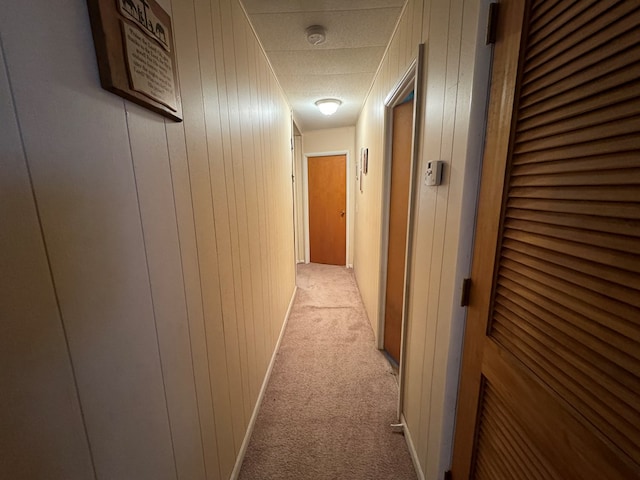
{"points": [[433, 174]]}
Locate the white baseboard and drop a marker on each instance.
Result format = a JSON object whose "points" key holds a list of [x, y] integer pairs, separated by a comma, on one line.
{"points": [[254, 415], [412, 449]]}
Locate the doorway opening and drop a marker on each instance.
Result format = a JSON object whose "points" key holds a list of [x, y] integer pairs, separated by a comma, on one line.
{"points": [[402, 115]]}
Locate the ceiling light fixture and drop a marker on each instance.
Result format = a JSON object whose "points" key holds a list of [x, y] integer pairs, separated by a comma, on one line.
{"points": [[316, 34], [328, 106]]}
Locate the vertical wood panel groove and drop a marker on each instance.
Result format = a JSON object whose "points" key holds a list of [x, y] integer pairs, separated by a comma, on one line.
{"points": [[47, 257], [188, 316], [150, 289], [209, 428]]}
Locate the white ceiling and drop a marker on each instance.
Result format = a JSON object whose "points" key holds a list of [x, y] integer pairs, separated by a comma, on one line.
{"points": [[342, 67]]}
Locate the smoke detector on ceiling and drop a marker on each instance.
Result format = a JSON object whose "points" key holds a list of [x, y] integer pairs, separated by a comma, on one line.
{"points": [[316, 34]]}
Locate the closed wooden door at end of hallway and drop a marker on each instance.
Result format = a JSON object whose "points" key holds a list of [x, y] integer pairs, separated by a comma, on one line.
{"points": [[327, 185]]}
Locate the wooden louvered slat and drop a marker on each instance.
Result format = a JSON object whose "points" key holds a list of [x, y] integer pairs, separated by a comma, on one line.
{"points": [[486, 469], [541, 7], [603, 209], [624, 353], [575, 448], [617, 54], [615, 69], [591, 284], [480, 471], [543, 16], [585, 84], [585, 46], [597, 193], [501, 442], [584, 18], [603, 256], [524, 454], [486, 456], [601, 401], [606, 176], [619, 319], [515, 346], [613, 162], [623, 244], [619, 316], [581, 373], [495, 444], [502, 435], [524, 458], [566, 387], [495, 471], [625, 126], [487, 447], [557, 126], [574, 340], [624, 283], [608, 146], [615, 226], [562, 381], [588, 97], [535, 460]]}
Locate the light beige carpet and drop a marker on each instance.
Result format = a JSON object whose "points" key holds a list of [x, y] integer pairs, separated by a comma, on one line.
{"points": [[332, 395]]}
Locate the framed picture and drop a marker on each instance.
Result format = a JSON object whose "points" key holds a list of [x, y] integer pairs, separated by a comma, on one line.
{"points": [[360, 167], [136, 57], [365, 161]]}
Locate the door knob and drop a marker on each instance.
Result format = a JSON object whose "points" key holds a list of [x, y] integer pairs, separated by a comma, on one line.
{"points": [[342, 213]]}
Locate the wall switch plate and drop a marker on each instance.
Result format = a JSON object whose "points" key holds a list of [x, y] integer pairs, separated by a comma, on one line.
{"points": [[433, 174]]}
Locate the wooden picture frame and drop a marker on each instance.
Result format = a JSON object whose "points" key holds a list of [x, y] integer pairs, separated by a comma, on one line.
{"points": [[365, 161], [135, 51], [360, 169]]}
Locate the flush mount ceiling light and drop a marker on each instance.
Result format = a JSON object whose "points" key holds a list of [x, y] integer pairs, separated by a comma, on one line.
{"points": [[328, 106], [316, 34]]}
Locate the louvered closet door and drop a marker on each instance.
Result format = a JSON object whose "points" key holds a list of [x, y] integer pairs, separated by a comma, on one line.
{"points": [[550, 385]]}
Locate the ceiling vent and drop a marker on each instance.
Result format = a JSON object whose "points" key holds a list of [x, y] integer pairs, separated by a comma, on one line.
{"points": [[316, 34]]}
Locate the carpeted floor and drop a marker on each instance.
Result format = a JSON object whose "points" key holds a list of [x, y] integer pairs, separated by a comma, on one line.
{"points": [[332, 395]]}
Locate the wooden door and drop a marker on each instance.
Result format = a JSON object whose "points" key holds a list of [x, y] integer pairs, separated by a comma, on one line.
{"points": [[327, 184], [550, 384], [398, 214]]}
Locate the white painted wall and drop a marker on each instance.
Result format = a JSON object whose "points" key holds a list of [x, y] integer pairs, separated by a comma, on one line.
{"points": [[328, 142], [147, 265], [455, 91]]}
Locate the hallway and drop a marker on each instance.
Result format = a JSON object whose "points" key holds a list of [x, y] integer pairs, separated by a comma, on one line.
{"points": [[332, 395], [149, 264]]}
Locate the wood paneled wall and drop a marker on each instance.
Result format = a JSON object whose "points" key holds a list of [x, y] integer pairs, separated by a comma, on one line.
{"points": [[456, 70], [370, 133], [146, 265]]}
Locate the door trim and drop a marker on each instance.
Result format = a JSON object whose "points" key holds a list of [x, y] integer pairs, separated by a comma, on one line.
{"points": [[505, 72], [305, 200], [411, 80]]}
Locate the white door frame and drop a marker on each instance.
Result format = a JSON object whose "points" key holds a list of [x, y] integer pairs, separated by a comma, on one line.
{"points": [[410, 81], [305, 197]]}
